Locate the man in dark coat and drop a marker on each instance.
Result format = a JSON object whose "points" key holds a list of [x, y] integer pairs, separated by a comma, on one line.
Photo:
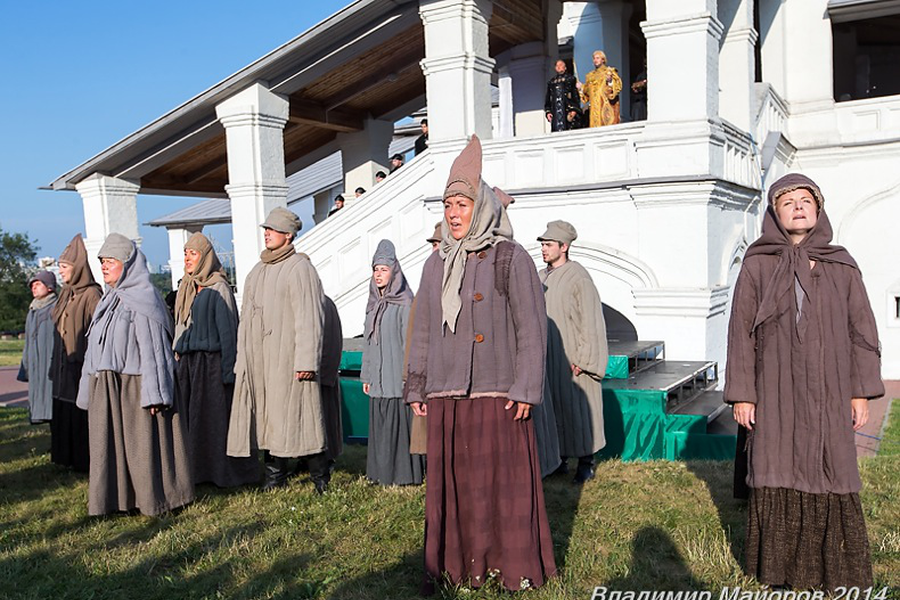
{"points": [[422, 140], [562, 104]]}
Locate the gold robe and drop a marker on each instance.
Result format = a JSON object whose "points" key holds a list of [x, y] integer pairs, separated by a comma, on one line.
{"points": [[603, 97]]}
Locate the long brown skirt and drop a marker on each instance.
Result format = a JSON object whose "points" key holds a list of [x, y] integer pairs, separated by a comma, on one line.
{"points": [[206, 402], [484, 504], [807, 540], [138, 460]]}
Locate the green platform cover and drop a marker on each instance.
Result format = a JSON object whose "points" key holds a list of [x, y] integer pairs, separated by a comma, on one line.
{"points": [[616, 367]]}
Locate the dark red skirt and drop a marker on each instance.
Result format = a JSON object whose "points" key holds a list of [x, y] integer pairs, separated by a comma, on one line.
{"points": [[484, 504]]}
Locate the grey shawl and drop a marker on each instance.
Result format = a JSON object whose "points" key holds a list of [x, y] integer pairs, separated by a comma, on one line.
{"points": [[36, 357], [131, 334], [396, 293], [382, 366]]}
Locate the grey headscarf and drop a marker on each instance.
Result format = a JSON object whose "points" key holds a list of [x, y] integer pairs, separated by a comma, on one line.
{"points": [[490, 225], [396, 292]]}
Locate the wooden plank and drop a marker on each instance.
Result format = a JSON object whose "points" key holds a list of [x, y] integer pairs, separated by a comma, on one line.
{"points": [[307, 112]]}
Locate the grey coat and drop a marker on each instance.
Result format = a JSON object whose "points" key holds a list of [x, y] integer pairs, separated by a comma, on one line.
{"points": [[211, 327], [500, 343], [36, 357], [382, 366]]}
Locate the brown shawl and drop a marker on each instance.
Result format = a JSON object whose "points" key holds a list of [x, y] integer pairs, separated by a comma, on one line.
{"points": [[793, 264], [209, 271], [72, 299]]}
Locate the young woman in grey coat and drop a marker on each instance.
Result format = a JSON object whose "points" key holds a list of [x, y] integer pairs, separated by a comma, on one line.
{"points": [[139, 456], [35, 367], [389, 461]]}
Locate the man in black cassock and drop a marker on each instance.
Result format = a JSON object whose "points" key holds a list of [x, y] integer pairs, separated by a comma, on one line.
{"points": [[562, 104]]}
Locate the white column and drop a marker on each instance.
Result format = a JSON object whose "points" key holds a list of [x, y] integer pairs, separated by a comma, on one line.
{"points": [[528, 71], [602, 25], [321, 206], [254, 122], [364, 153], [682, 59], [737, 63], [110, 206], [177, 239], [507, 118], [457, 68]]}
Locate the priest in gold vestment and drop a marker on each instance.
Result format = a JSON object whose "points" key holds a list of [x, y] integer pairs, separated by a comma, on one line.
{"points": [[601, 89]]}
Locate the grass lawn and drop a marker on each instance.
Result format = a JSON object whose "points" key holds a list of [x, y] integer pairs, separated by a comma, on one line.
{"points": [[11, 352], [638, 526]]}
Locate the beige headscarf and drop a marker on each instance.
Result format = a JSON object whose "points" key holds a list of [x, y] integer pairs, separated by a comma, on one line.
{"points": [[490, 225], [208, 272]]}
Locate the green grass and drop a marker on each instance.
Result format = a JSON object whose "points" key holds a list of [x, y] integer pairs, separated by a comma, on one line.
{"points": [[11, 352], [890, 445], [638, 526]]}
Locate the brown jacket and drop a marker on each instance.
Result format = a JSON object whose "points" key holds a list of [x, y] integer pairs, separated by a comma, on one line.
{"points": [[500, 341]]}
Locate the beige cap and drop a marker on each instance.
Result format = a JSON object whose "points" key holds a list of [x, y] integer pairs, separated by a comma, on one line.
{"points": [[559, 231], [283, 221], [436, 236]]}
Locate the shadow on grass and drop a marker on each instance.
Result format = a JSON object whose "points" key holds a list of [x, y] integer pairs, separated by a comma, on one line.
{"points": [[409, 571], [732, 512], [656, 564], [561, 497]]}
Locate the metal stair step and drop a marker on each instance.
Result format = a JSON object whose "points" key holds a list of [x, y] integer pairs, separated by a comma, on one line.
{"points": [[682, 381], [708, 404], [641, 354]]}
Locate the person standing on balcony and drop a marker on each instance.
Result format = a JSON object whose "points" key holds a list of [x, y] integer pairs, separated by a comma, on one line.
{"points": [[577, 351], [476, 369], [601, 90], [138, 445], [72, 317], [422, 140], [338, 205], [35, 365], [639, 96], [803, 362], [278, 400], [389, 461], [396, 162], [562, 103], [206, 323]]}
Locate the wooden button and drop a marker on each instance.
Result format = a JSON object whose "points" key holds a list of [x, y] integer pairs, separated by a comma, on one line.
{"points": [[479, 338], [482, 254], [478, 297]]}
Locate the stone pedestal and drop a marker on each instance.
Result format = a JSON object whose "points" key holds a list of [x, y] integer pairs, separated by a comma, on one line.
{"points": [[254, 122], [528, 72], [457, 68], [682, 60], [110, 206]]}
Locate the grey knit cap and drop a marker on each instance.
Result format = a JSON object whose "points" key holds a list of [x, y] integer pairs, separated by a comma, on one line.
{"points": [[116, 246], [559, 231], [45, 277], [385, 254], [283, 221]]}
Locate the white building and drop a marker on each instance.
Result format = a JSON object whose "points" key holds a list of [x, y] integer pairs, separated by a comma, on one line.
{"points": [[740, 92]]}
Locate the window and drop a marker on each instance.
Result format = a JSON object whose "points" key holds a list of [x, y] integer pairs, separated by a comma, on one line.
{"points": [[866, 58]]}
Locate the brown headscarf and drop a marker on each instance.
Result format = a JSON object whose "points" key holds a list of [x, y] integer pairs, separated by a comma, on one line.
{"points": [[793, 264], [67, 321], [208, 272], [490, 225]]}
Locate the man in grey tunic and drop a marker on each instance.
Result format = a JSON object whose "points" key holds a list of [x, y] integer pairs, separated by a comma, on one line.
{"points": [[278, 399], [35, 366], [576, 350]]}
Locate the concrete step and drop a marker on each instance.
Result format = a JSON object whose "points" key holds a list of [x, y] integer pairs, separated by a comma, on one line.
{"points": [[723, 424]]}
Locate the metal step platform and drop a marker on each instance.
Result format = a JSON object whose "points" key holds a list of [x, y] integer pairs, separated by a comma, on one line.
{"points": [[682, 381], [708, 404], [638, 355]]}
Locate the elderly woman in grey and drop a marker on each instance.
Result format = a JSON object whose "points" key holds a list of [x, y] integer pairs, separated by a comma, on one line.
{"points": [[389, 461], [206, 323], [138, 450]]}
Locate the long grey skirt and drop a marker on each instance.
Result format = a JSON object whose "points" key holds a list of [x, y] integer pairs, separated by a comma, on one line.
{"points": [[206, 403], [388, 460], [138, 460]]}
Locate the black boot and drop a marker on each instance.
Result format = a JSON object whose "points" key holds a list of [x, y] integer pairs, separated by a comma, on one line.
{"points": [[585, 470], [277, 472], [563, 468], [319, 471]]}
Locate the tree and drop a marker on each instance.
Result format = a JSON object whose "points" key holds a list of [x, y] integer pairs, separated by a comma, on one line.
{"points": [[17, 251]]}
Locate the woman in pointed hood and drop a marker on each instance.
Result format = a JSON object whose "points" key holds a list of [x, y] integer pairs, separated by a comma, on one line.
{"points": [[388, 460], [476, 368], [72, 317], [206, 323], [139, 456], [803, 362]]}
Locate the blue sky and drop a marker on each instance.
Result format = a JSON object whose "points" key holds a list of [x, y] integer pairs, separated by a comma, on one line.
{"points": [[76, 77]]}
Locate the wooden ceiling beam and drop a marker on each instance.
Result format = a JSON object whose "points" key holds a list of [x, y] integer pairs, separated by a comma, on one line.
{"points": [[307, 112]]}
